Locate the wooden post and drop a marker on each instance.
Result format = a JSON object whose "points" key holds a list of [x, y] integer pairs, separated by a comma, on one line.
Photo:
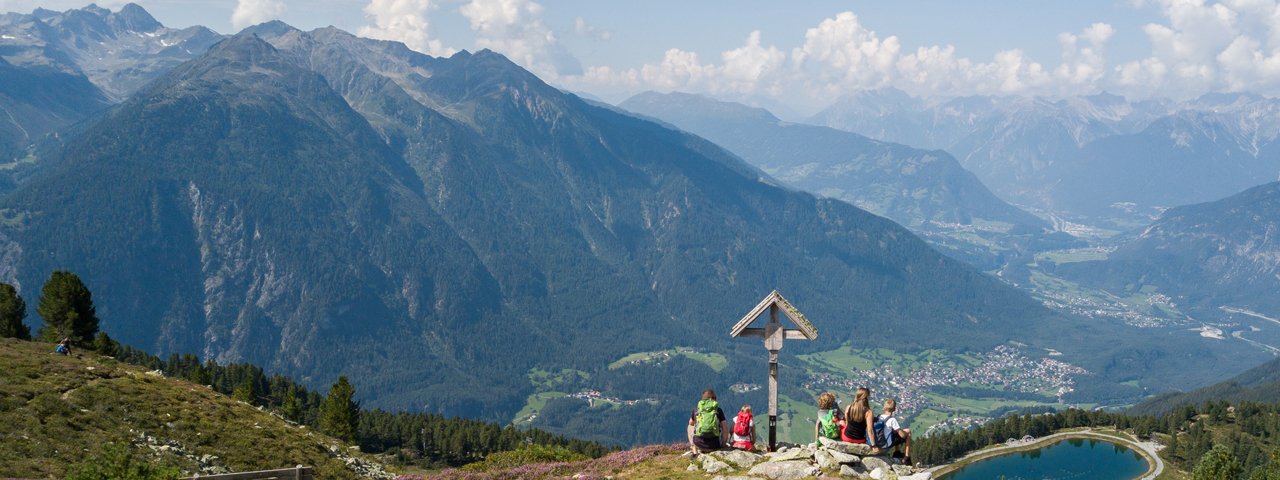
{"points": [[773, 335]]}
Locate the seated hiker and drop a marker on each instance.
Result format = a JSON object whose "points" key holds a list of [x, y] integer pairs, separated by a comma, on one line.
{"points": [[830, 418], [744, 430], [707, 425], [894, 435], [859, 422], [64, 347]]}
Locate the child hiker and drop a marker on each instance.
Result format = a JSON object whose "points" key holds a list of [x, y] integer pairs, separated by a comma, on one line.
{"points": [[744, 430], [900, 436]]}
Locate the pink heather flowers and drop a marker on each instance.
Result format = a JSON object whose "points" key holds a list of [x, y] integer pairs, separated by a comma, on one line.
{"points": [[595, 469]]}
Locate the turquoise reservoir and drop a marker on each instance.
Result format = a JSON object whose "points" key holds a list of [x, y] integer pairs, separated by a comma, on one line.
{"points": [[1076, 458]]}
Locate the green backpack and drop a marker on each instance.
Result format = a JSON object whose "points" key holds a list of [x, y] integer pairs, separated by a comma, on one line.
{"points": [[708, 423], [827, 424]]}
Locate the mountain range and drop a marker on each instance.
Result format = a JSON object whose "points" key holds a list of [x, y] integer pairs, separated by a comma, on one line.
{"points": [[449, 232], [320, 203], [924, 190], [1097, 159], [1211, 257], [58, 68]]}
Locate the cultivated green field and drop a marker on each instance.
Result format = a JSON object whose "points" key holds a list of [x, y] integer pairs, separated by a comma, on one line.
{"points": [[716, 361]]}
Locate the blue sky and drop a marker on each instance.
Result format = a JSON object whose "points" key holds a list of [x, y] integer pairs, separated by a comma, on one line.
{"points": [[801, 55]]}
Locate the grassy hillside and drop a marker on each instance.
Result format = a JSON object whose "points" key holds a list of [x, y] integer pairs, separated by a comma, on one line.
{"points": [[57, 412]]}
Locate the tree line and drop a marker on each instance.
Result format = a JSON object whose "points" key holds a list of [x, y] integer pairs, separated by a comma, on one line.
{"points": [[1215, 440], [423, 439]]}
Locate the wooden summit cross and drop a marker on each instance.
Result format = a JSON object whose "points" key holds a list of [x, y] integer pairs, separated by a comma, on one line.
{"points": [[773, 334]]}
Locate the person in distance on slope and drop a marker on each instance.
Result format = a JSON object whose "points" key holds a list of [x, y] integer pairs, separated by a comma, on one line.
{"points": [[744, 430], [901, 436], [64, 347], [859, 421], [706, 425], [830, 418]]}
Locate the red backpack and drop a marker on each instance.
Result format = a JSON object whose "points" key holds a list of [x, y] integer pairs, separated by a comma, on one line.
{"points": [[742, 425]]}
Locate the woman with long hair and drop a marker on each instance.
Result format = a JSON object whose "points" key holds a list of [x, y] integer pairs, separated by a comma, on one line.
{"points": [[859, 420]]}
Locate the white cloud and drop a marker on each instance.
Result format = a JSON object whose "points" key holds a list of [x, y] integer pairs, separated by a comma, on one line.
{"points": [[515, 29], [581, 27], [253, 12], [840, 55], [404, 21]]}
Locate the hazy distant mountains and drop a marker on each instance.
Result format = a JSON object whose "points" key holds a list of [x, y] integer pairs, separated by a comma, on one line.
{"points": [[916, 188], [927, 191], [58, 68], [1098, 157], [1206, 256]]}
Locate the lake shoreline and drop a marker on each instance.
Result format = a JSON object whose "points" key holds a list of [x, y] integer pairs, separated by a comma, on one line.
{"points": [[1155, 466]]}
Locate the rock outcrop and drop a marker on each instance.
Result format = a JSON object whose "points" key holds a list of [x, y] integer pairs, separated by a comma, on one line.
{"points": [[828, 457]]}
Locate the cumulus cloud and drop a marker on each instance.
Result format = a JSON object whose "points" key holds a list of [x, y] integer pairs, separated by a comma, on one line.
{"points": [[515, 29], [840, 55], [581, 27], [253, 12], [404, 21]]}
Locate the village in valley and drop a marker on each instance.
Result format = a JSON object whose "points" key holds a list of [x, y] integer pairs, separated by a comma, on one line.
{"points": [[920, 385]]}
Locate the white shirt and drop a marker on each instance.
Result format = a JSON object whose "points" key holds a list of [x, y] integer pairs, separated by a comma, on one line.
{"points": [[890, 423]]}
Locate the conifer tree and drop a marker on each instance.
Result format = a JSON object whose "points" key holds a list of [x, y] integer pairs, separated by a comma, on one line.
{"points": [[338, 411], [246, 392], [12, 311], [1217, 464], [291, 408], [66, 306], [105, 345]]}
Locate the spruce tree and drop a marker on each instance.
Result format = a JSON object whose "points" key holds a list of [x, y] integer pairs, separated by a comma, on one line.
{"points": [[66, 306], [12, 311], [338, 411]]}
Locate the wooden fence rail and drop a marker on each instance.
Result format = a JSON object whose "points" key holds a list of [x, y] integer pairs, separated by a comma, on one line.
{"points": [[297, 473]]}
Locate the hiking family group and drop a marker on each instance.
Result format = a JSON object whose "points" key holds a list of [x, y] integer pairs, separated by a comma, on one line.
{"points": [[857, 423]]}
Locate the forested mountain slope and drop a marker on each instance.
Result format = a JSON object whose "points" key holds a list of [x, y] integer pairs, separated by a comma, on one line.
{"points": [[449, 232]]}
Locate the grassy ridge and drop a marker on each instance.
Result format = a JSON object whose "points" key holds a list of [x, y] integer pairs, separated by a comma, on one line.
{"points": [[57, 412]]}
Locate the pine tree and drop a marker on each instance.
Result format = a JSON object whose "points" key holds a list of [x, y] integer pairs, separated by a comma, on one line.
{"points": [[66, 306], [339, 412], [1217, 464], [105, 345], [291, 408], [12, 311], [246, 392]]}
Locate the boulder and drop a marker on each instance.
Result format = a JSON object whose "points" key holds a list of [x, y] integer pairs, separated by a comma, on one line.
{"points": [[712, 464], [848, 471], [883, 474], [785, 470], [902, 469], [736, 477], [739, 458], [792, 454], [918, 476], [872, 463], [843, 458], [858, 449], [825, 461]]}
